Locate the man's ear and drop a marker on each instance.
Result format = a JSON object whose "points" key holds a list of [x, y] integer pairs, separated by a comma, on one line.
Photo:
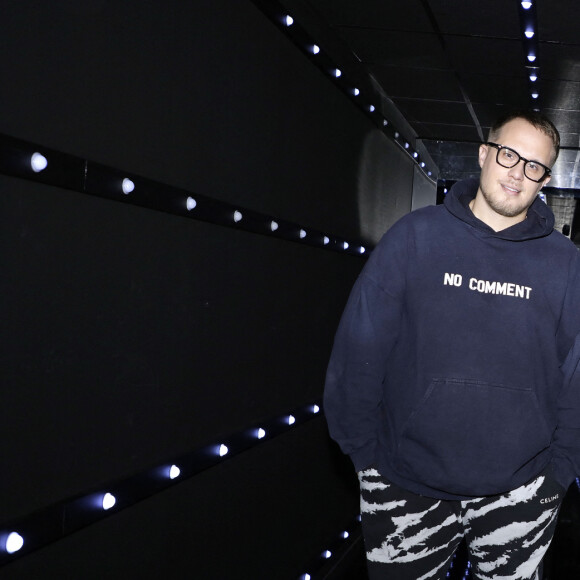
{"points": [[483, 151]]}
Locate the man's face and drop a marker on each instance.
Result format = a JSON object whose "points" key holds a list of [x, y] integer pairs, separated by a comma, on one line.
{"points": [[508, 192]]}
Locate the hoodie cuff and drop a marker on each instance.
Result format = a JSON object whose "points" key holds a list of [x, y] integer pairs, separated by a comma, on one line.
{"points": [[364, 456], [562, 472]]}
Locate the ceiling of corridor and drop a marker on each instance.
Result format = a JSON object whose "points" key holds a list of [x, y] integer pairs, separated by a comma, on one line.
{"points": [[451, 67]]}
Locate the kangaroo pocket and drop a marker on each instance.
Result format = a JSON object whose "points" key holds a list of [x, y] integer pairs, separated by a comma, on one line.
{"points": [[470, 437]]}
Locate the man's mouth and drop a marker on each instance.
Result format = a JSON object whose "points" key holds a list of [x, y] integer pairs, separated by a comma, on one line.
{"points": [[509, 189]]}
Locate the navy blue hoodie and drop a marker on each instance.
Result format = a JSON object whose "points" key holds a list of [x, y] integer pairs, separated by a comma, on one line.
{"points": [[454, 365]]}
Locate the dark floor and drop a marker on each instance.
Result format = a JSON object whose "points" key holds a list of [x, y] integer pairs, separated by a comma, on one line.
{"points": [[562, 562]]}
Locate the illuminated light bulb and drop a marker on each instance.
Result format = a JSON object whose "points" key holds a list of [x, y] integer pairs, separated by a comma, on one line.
{"points": [[533, 78], [174, 472], [327, 554], [128, 186], [306, 577], [362, 250], [291, 419], [422, 164], [223, 450], [38, 162], [261, 433], [531, 57], [337, 72], [315, 409], [415, 154], [14, 542], [406, 146], [345, 535], [273, 226], [302, 234], [529, 33], [526, 5], [109, 501], [372, 108], [358, 518], [191, 203], [535, 95], [429, 173], [325, 240], [385, 122], [315, 49], [237, 216], [397, 135], [345, 245], [289, 21], [444, 190], [355, 92]]}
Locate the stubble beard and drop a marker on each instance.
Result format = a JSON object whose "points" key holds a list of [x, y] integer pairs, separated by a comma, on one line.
{"points": [[504, 207]]}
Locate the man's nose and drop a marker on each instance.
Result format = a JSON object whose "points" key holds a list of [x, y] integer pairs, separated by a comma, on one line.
{"points": [[517, 171]]}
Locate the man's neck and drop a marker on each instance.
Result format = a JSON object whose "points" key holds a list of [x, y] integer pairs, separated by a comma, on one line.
{"points": [[494, 220]]}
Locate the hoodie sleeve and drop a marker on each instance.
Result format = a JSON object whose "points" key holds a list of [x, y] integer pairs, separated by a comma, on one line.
{"points": [[366, 334], [566, 442]]}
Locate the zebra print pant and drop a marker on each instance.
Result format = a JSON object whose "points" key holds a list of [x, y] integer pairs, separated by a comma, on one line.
{"points": [[411, 537]]}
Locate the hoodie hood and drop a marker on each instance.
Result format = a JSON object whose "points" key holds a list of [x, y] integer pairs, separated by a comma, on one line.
{"points": [[539, 221]]}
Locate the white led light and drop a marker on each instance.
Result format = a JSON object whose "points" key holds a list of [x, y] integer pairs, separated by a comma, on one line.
{"points": [[345, 535], [302, 234], [261, 433], [337, 72], [406, 146], [444, 190], [315, 409], [535, 95], [305, 577], [345, 245], [315, 49], [291, 419], [358, 518], [223, 450], [385, 122], [174, 472], [326, 554], [533, 78], [325, 240], [38, 162], [372, 108], [128, 186], [415, 154], [526, 5], [191, 203], [531, 57], [355, 92], [237, 216], [273, 226], [289, 21], [529, 33], [429, 173], [397, 135], [422, 164], [14, 542], [109, 501], [362, 250]]}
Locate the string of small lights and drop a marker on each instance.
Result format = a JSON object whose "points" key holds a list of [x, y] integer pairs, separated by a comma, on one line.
{"points": [[53, 523], [33, 162]]}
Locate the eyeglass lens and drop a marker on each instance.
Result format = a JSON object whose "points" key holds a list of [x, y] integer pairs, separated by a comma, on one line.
{"points": [[510, 158]]}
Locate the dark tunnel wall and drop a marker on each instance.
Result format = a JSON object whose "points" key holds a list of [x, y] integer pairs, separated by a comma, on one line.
{"points": [[131, 336]]}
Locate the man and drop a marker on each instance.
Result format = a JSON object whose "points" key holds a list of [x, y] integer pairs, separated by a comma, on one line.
{"points": [[452, 382]]}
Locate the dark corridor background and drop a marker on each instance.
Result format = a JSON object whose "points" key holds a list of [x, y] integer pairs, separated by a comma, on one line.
{"points": [[132, 336]]}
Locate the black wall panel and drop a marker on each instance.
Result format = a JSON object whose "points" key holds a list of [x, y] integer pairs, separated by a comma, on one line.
{"points": [[131, 336]]}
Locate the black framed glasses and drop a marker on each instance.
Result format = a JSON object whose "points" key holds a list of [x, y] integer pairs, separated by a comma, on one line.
{"points": [[508, 158]]}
